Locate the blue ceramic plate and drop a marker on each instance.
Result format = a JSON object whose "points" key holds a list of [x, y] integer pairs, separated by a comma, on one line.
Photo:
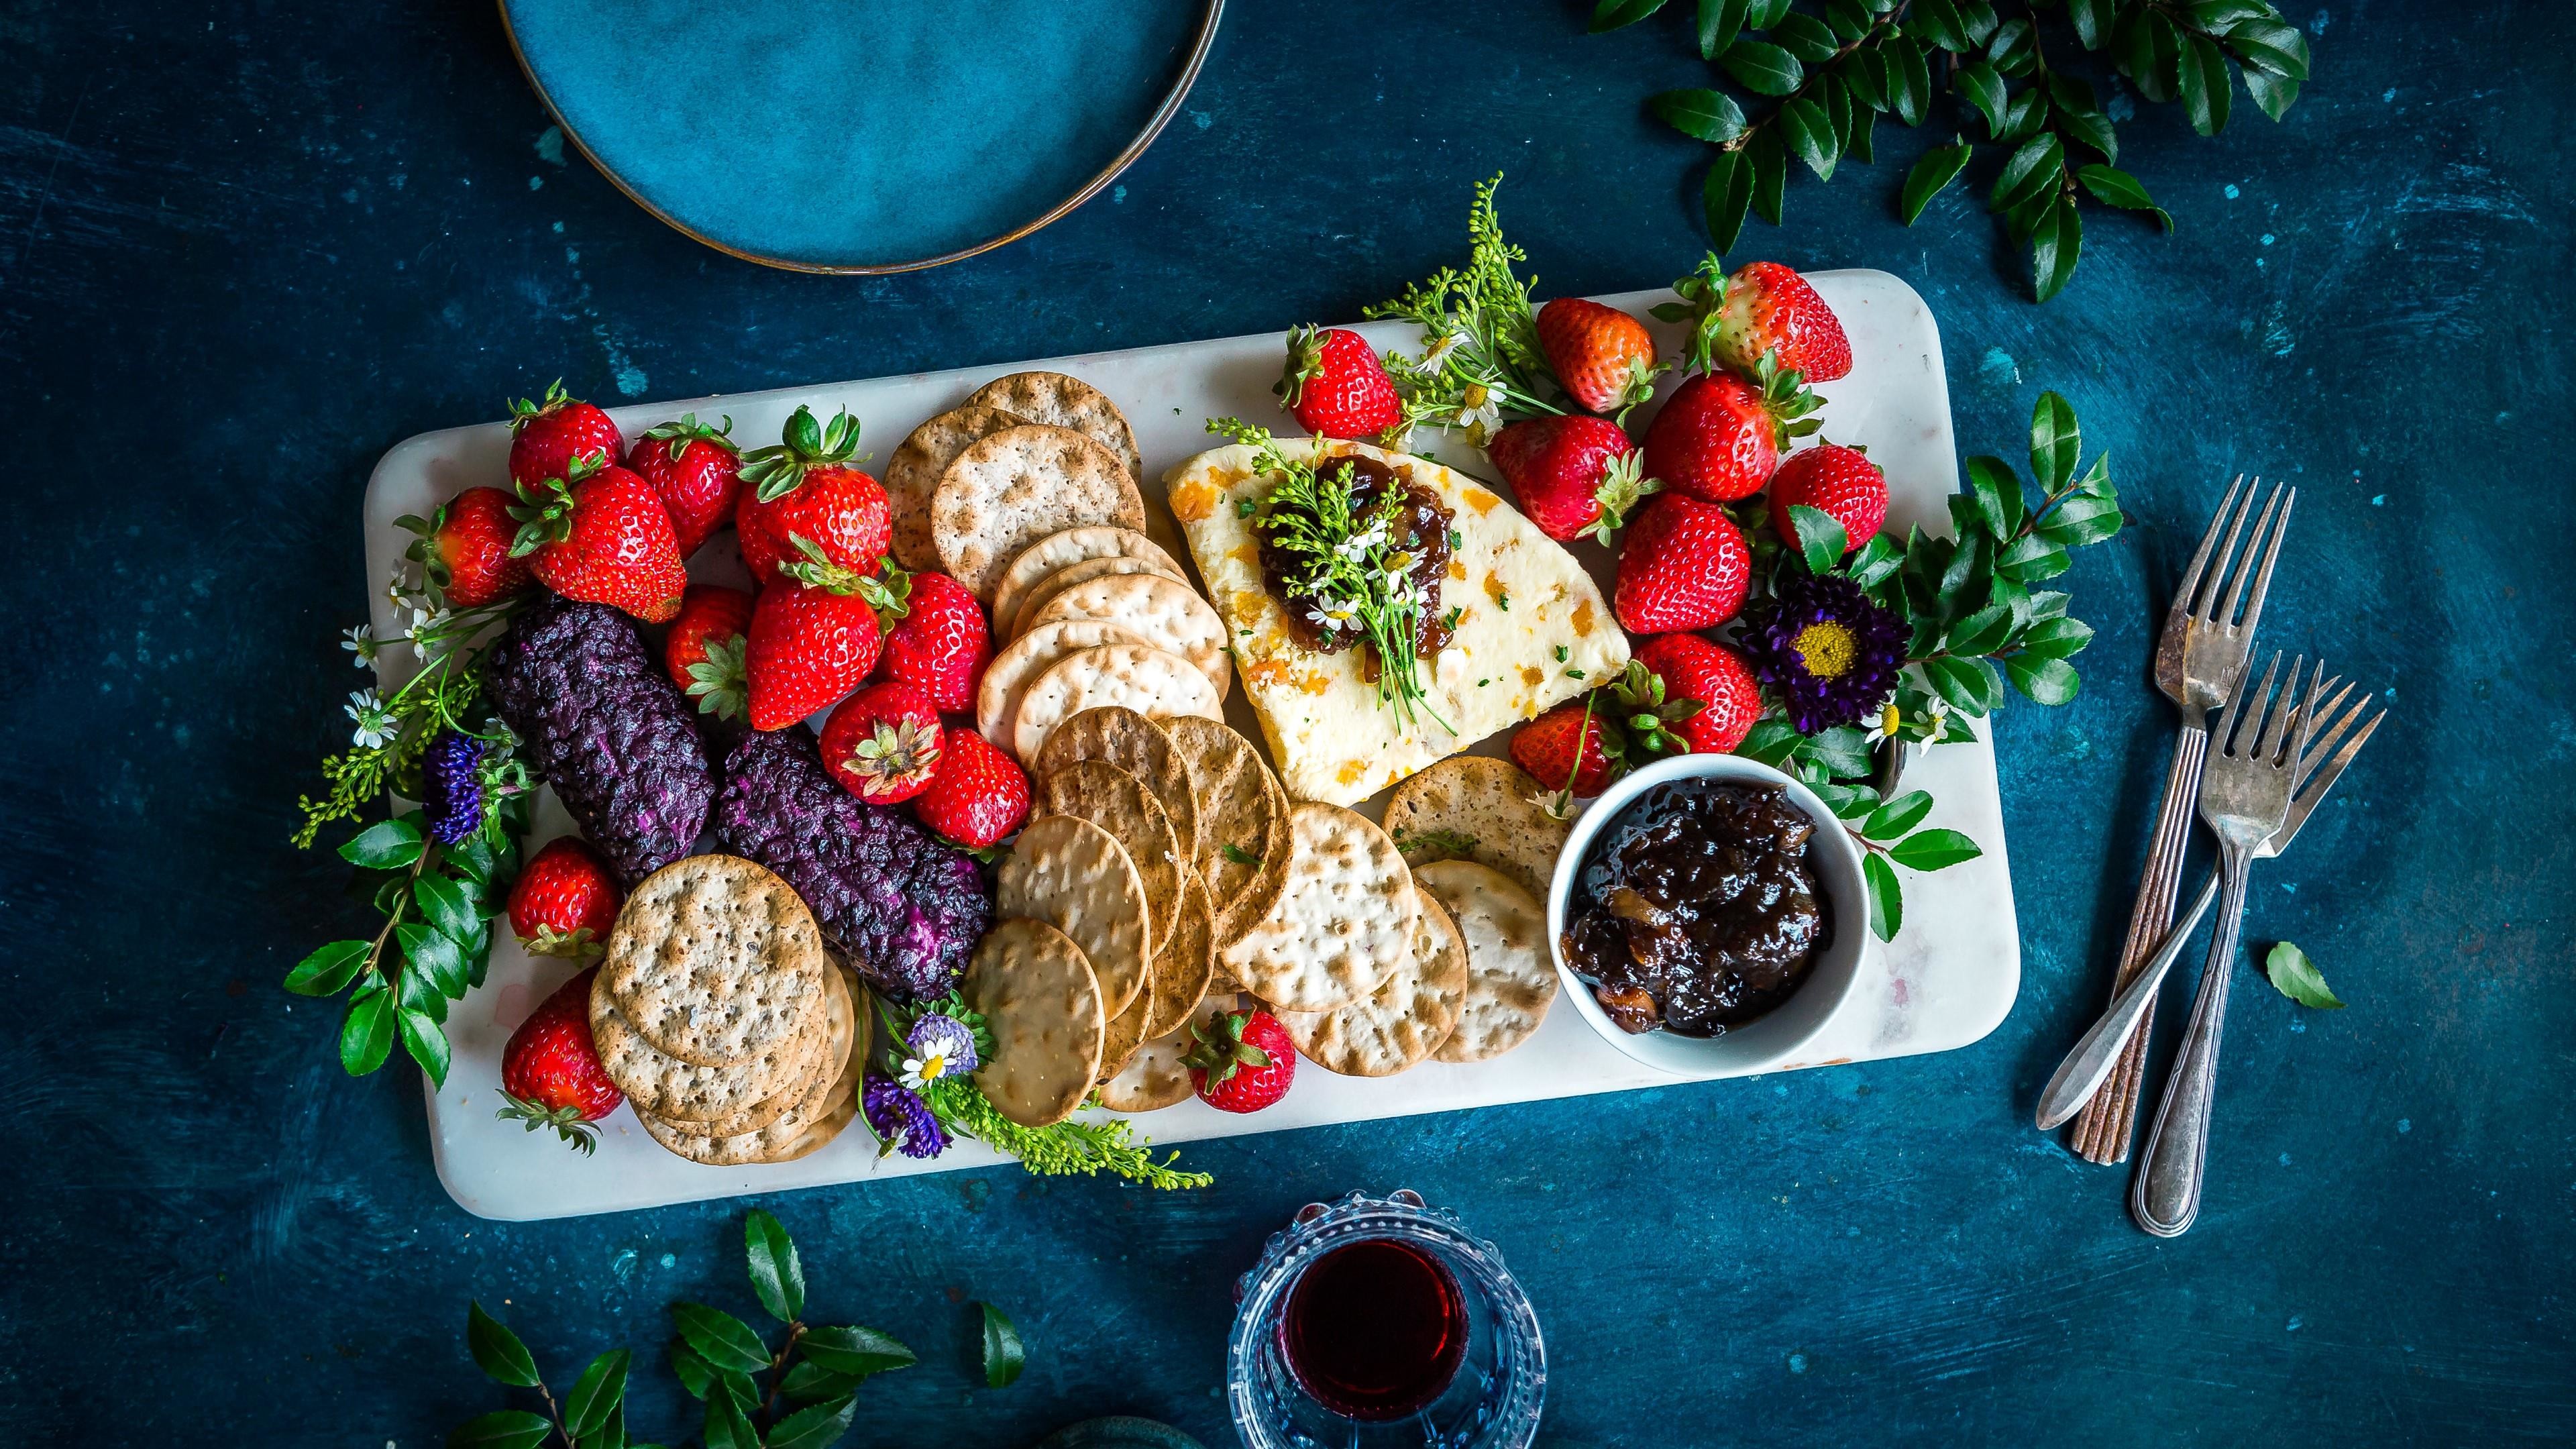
{"points": [[861, 135]]}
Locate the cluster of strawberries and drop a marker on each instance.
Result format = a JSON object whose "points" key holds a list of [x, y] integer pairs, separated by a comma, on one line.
{"points": [[1758, 338]]}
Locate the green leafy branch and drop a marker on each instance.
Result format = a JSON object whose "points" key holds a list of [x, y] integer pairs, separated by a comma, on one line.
{"points": [[1832, 73]]}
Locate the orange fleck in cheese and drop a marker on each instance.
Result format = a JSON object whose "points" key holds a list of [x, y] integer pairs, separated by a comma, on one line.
{"points": [[1266, 671], [1457, 570], [1494, 587], [1194, 499], [1583, 619], [1532, 676], [1315, 682], [1479, 500], [1352, 770], [1247, 554]]}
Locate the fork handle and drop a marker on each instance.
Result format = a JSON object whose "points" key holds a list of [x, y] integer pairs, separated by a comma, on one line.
{"points": [[2165, 1196]]}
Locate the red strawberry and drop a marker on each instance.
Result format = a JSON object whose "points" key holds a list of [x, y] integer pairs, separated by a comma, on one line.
{"points": [[696, 470], [1547, 746], [1336, 386], [465, 548], [1719, 436], [1769, 309], [549, 436], [1243, 1061], [1601, 354], [814, 638], [1574, 475], [1839, 480], [550, 1071], [565, 901], [978, 796], [804, 487], [882, 743], [704, 651], [1683, 566], [942, 645], [1713, 676], [603, 538]]}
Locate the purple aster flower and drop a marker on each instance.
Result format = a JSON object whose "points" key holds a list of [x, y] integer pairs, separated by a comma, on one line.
{"points": [[1826, 650], [941, 1046], [902, 1121], [451, 791]]}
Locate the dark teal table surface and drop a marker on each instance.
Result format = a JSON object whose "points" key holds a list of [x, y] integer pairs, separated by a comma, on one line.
{"points": [[244, 248]]}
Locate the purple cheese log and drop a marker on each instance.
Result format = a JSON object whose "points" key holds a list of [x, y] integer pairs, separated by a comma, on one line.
{"points": [[597, 717], [904, 909]]}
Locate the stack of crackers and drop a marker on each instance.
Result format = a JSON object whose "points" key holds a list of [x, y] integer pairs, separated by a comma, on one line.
{"points": [[719, 1014]]}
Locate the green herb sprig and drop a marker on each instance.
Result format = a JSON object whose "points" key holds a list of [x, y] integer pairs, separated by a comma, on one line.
{"points": [[1480, 359], [1352, 564], [1831, 72]]}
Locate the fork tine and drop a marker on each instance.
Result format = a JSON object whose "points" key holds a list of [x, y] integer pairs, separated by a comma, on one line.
{"points": [[2207, 596], [2281, 717], [2322, 742], [2184, 592], [2322, 778], [2225, 614], [2231, 722], [2263, 579]]}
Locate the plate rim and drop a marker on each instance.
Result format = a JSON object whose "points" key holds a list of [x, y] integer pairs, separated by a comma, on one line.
{"points": [[1162, 117]]}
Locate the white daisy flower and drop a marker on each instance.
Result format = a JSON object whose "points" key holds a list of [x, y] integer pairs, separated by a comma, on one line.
{"points": [[1436, 356], [1480, 412], [1884, 721], [375, 723], [360, 641], [1334, 614]]}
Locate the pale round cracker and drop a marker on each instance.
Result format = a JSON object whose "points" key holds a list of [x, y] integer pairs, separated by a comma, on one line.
{"points": [[1243, 805], [1183, 965], [1118, 802], [664, 1086], [1345, 922], [1045, 589], [912, 474], [1475, 807], [1511, 978], [1066, 402], [818, 1116], [714, 960], [1040, 561], [1143, 749], [1076, 877], [1401, 1022], [1158, 1075], [1167, 611], [836, 1029], [1155, 683], [1007, 678], [1009, 489], [1040, 999]]}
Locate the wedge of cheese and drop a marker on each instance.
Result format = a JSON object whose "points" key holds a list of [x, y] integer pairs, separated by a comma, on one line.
{"points": [[1533, 630]]}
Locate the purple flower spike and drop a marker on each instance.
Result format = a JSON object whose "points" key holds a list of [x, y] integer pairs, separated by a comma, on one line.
{"points": [[902, 1121]]}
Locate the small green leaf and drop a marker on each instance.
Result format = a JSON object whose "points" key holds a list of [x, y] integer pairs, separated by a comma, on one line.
{"points": [[1977, 84], [502, 1429], [1981, 632], [1960, 682], [857, 1352], [1849, 18], [2115, 187], [2050, 682], [724, 1341], [1770, 741], [777, 1274], [2082, 518], [694, 1373], [2093, 19], [601, 1388], [1886, 897], [1761, 67], [1612, 14], [423, 1037], [1909, 81], [1763, 14], [814, 1427], [1843, 751], [1725, 196], [385, 845], [1769, 162], [1719, 23], [727, 1428], [1897, 816], [1989, 484], [1937, 21], [330, 968], [1804, 36], [1004, 1355], [445, 905], [2091, 128], [1821, 540], [1702, 114], [497, 1351], [2056, 442], [1933, 850], [2273, 94], [2297, 977], [435, 953], [1930, 177], [1849, 802], [1809, 134], [809, 1383], [2055, 637], [2032, 558], [367, 1032], [2272, 46], [2031, 171], [2204, 84]]}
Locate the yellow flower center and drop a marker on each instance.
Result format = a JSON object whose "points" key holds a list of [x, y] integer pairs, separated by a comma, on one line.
{"points": [[1827, 648], [1890, 717]]}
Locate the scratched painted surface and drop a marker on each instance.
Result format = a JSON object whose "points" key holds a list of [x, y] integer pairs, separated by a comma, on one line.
{"points": [[245, 248]]}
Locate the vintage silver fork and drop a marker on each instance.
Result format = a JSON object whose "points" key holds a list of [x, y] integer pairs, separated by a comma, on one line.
{"points": [[2246, 789], [2089, 1064], [2201, 653]]}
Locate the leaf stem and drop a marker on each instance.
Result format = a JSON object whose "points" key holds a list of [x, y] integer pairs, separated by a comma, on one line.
{"points": [[777, 1375]]}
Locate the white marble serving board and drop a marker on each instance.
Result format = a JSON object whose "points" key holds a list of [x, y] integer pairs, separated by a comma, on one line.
{"points": [[1948, 978]]}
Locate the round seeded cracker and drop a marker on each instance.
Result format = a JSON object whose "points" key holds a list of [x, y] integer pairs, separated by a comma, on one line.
{"points": [[1511, 980], [1243, 848], [1119, 803], [1044, 590], [1167, 611], [1344, 923], [664, 1086], [912, 474], [1143, 749], [1475, 807], [1042, 1002], [823, 1108], [1153, 682], [1007, 678], [1066, 402], [1041, 560], [714, 960], [1009, 489], [1077, 878], [1401, 1022], [1158, 1075]]}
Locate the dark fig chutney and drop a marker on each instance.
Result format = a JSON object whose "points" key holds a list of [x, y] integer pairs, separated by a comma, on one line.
{"points": [[1697, 909], [1420, 530]]}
